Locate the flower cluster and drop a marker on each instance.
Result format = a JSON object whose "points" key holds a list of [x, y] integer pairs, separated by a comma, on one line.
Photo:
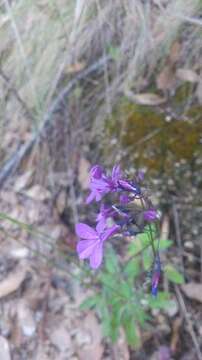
{"points": [[123, 216]]}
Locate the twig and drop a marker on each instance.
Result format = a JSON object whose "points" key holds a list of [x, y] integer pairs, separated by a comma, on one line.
{"points": [[189, 19], [13, 163], [200, 241], [178, 234], [189, 323], [46, 292]]}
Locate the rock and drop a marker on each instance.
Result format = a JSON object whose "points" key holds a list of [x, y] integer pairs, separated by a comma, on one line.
{"points": [[4, 349], [83, 338], [173, 308], [19, 253], [193, 291], [38, 193], [26, 319], [60, 338]]}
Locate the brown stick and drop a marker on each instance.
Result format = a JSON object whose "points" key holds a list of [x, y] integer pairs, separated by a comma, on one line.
{"points": [[189, 323]]}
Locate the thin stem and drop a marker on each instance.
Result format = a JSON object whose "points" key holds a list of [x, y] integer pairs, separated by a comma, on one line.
{"points": [[150, 231]]}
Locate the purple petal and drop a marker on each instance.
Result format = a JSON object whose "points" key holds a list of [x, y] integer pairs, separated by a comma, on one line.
{"points": [[124, 199], [150, 215], [91, 197], [116, 172], [85, 232], [85, 248], [96, 171], [129, 186], [96, 256], [110, 231], [99, 184], [101, 225], [98, 196]]}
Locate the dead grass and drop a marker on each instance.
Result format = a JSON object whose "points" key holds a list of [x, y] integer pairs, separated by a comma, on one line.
{"points": [[41, 40]]}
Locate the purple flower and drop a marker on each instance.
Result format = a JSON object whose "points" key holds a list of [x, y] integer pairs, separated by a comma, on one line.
{"points": [[105, 213], [101, 184], [150, 215], [92, 241], [116, 175], [129, 186], [156, 275], [98, 184]]}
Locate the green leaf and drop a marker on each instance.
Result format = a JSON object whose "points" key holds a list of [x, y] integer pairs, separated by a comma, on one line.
{"points": [[132, 269], [161, 301], [163, 244], [130, 329], [116, 321], [108, 280], [173, 275], [147, 259], [125, 290], [139, 243], [111, 261], [90, 302], [106, 317]]}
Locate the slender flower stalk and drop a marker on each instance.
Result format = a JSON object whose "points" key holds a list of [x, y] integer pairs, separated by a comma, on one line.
{"points": [[156, 275]]}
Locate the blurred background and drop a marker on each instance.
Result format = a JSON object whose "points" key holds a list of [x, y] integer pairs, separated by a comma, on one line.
{"points": [[85, 82]]}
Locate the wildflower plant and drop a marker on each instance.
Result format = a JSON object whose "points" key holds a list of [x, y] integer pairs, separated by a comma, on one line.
{"points": [[128, 222]]}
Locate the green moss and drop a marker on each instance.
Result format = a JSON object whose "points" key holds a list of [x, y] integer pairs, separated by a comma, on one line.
{"points": [[149, 140]]}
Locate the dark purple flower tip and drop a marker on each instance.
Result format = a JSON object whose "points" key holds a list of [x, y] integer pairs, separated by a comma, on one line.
{"points": [[129, 186], [156, 275], [150, 215], [96, 172], [155, 283]]}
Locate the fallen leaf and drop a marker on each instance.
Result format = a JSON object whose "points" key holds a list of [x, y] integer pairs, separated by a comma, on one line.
{"points": [[61, 201], [91, 352], [193, 291], [83, 175], [187, 75], [166, 79], [12, 282], [146, 98], [120, 348], [23, 181], [5, 351], [175, 52], [92, 348], [38, 192], [76, 67], [26, 319]]}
